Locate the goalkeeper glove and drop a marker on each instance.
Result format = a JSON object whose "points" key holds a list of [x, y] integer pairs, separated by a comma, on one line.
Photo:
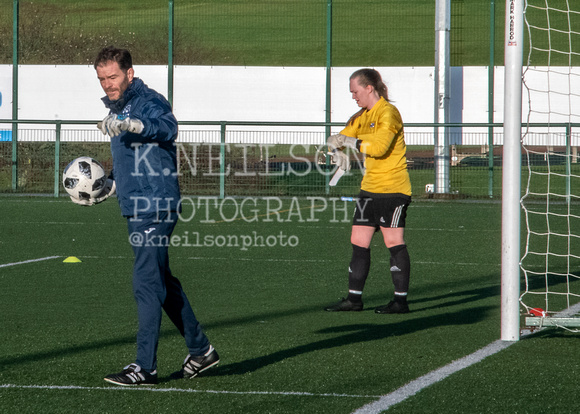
{"points": [[107, 191], [341, 160], [339, 141], [113, 126]]}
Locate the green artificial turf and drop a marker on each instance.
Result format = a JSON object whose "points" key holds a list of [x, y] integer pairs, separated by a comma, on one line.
{"points": [[66, 325]]}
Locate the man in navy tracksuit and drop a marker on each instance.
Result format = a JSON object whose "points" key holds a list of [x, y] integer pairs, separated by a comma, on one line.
{"points": [[143, 130]]}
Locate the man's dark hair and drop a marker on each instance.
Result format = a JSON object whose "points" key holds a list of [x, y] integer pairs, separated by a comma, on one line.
{"points": [[111, 53]]}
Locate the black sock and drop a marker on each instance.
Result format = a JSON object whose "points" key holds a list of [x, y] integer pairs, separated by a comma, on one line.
{"points": [[402, 299], [400, 270], [358, 271]]}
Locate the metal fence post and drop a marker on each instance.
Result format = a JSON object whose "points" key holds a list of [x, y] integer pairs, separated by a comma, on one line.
{"points": [[170, 55], [328, 78], [15, 95], [222, 159], [490, 86], [57, 159]]}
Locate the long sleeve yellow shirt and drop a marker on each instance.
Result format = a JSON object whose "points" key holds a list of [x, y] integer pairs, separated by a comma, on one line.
{"points": [[381, 132]]}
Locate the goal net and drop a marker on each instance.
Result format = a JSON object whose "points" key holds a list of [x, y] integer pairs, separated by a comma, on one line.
{"points": [[550, 292]]}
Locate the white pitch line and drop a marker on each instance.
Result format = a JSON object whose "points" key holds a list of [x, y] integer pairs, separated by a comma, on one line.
{"points": [[185, 390], [413, 387], [29, 261]]}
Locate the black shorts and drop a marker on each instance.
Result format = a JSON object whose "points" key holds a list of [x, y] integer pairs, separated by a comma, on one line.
{"points": [[381, 210]]}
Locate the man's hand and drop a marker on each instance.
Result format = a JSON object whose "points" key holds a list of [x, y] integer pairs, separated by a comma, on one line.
{"points": [[109, 126], [341, 160], [113, 126], [108, 190], [339, 141]]}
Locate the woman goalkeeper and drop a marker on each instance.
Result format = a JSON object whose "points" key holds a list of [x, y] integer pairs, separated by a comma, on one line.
{"points": [[377, 132]]}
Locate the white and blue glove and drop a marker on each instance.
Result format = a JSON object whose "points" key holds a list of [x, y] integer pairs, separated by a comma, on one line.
{"points": [[108, 190], [341, 159], [112, 125], [339, 141]]}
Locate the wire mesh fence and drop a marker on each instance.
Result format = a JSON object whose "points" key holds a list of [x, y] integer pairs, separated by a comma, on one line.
{"points": [[240, 32], [228, 162], [232, 162]]}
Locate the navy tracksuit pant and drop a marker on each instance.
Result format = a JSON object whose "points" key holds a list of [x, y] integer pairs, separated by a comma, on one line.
{"points": [[155, 288]]}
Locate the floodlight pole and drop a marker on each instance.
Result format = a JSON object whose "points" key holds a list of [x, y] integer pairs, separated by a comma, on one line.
{"points": [[442, 95], [511, 179]]}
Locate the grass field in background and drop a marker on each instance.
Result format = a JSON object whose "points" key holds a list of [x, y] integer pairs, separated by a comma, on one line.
{"points": [[66, 325], [258, 32], [267, 32]]}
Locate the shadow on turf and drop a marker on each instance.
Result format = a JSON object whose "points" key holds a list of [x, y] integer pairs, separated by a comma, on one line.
{"points": [[58, 353], [417, 303], [355, 333], [456, 298]]}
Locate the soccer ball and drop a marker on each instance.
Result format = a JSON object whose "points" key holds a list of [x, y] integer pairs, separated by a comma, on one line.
{"points": [[84, 178]]}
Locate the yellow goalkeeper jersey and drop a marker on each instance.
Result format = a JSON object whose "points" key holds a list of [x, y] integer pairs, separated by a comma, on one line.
{"points": [[380, 130]]}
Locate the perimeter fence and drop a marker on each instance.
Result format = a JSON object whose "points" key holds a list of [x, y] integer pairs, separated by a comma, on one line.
{"points": [[225, 161], [329, 33]]}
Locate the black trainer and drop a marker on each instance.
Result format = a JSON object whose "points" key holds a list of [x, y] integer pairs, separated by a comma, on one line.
{"points": [[132, 374], [193, 365], [393, 307], [345, 305]]}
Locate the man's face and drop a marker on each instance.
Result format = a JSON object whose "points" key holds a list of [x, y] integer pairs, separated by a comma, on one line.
{"points": [[113, 80]]}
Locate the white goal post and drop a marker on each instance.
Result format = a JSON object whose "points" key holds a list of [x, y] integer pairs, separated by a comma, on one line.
{"points": [[549, 80], [511, 179]]}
